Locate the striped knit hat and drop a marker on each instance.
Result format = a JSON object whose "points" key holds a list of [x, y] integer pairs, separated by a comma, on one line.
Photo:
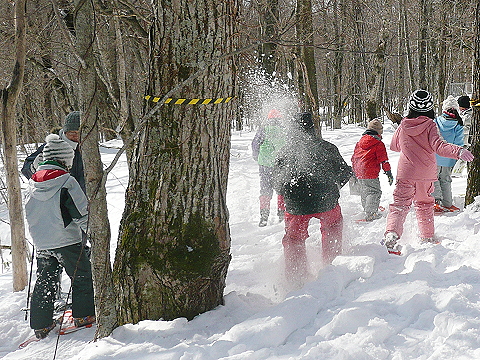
{"points": [[421, 101], [57, 149]]}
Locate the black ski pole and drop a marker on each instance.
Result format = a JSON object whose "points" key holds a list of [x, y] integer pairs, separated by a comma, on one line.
{"points": [[29, 282]]}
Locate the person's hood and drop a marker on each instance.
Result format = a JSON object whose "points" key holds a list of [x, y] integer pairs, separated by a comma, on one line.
{"points": [[73, 144], [47, 181], [415, 126], [445, 122], [368, 141]]}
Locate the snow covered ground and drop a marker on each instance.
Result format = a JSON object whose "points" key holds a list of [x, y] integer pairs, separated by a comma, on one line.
{"points": [[367, 305]]}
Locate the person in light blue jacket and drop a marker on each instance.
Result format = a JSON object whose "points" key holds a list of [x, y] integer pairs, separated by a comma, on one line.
{"points": [[450, 126]]}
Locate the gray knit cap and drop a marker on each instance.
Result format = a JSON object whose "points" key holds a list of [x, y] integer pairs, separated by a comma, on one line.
{"points": [[421, 101], [72, 121], [57, 149]]}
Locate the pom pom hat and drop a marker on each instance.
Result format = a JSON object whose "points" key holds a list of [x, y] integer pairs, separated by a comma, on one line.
{"points": [[421, 101], [450, 103], [57, 149]]}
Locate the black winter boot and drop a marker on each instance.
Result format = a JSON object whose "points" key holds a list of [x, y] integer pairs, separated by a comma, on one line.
{"points": [[264, 217]]}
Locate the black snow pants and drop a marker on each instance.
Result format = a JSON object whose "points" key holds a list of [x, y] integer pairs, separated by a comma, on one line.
{"points": [[77, 265]]}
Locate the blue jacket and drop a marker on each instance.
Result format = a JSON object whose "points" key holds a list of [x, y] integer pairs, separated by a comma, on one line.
{"points": [[452, 132]]}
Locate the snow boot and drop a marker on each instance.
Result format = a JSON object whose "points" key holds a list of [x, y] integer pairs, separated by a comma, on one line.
{"points": [[264, 217], [372, 216], [429, 240], [87, 320], [390, 242], [42, 333]]}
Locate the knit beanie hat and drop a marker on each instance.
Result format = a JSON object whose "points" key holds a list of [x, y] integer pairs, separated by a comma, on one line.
{"points": [[274, 114], [57, 149], [376, 125], [304, 120], [464, 101], [72, 121], [421, 101], [450, 103]]}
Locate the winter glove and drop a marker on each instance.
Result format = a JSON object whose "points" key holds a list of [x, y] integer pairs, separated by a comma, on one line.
{"points": [[390, 177], [465, 155]]}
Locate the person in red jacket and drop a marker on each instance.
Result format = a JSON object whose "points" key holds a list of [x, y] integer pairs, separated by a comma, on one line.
{"points": [[369, 155]]}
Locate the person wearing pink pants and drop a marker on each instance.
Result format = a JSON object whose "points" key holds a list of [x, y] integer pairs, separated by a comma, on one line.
{"points": [[296, 232], [309, 172], [418, 140]]}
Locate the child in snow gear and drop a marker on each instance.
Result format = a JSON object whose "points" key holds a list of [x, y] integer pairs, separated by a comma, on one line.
{"points": [[309, 172], [56, 213], [417, 139], [451, 128], [267, 142], [368, 156], [69, 133]]}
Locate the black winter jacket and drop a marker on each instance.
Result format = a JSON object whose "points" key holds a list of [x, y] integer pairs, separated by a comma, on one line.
{"points": [[309, 172]]}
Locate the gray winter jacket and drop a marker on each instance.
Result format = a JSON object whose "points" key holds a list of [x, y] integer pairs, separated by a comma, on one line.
{"points": [[56, 208]]}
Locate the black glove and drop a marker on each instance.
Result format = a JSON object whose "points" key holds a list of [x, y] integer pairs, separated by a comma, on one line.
{"points": [[390, 177]]}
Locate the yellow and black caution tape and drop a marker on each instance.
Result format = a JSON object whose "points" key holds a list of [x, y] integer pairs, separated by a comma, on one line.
{"points": [[189, 101], [474, 102]]}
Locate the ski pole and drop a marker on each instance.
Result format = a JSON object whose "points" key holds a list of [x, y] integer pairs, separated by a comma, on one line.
{"points": [[30, 281]]}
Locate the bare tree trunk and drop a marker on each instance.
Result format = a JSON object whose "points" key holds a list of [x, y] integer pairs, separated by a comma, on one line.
{"points": [[99, 226], [269, 29], [338, 66], [374, 99], [9, 97], [473, 181], [422, 45], [411, 72], [307, 70], [174, 245]]}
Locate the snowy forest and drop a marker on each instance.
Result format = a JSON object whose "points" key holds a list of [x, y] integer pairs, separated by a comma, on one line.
{"points": [[170, 94]]}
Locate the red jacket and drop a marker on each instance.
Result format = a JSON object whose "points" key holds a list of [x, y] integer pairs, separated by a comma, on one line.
{"points": [[369, 154]]}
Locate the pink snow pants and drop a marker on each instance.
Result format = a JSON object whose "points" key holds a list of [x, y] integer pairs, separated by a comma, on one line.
{"points": [[296, 232], [405, 192]]}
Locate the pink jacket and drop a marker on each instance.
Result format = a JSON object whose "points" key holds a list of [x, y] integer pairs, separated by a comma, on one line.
{"points": [[418, 140]]}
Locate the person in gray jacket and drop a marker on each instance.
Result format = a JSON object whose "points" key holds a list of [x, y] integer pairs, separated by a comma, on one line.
{"points": [[56, 213]]}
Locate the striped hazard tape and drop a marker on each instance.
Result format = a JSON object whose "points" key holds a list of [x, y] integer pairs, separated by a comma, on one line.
{"points": [[189, 101]]}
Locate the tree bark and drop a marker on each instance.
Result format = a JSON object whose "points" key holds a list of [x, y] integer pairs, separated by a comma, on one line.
{"points": [[422, 45], [374, 99], [98, 226], [174, 243], [269, 29], [307, 76], [473, 181], [9, 97]]}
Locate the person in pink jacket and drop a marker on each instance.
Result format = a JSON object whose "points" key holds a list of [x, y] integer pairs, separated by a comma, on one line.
{"points": [[418, 140]]}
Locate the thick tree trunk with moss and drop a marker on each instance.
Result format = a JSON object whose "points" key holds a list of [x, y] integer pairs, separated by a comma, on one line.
{"points": [[473, 181], [174, 242]]}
